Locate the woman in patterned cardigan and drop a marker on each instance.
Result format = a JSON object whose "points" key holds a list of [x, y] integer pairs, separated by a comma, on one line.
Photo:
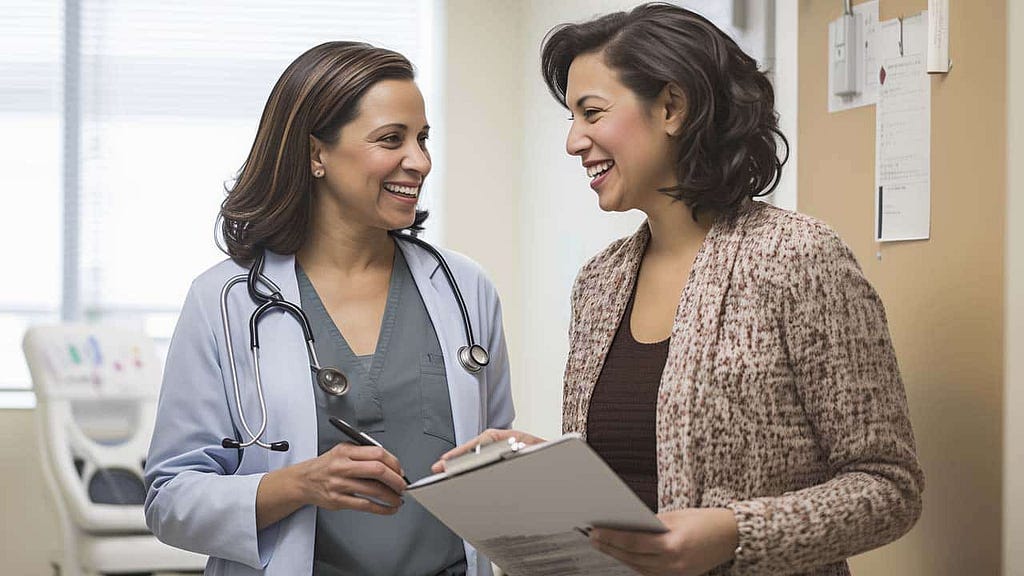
{"points": [[729, 360]]}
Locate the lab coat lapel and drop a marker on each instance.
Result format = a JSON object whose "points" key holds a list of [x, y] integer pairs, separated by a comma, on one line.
{"points": [[443, 309]]}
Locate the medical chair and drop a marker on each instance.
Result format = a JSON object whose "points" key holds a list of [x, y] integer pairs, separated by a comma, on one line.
{"points": [[96, 390]]}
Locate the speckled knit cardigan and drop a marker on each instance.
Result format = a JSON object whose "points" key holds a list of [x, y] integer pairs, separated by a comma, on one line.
{"points": [[780, 399]]}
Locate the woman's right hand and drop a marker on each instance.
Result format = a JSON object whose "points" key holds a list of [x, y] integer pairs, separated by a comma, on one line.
{"points": [[344, 477], [339, 478], [486, 437]]}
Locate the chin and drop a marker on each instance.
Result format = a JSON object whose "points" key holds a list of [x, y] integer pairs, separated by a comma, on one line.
{"points": [[610, 205], [396, 222]]}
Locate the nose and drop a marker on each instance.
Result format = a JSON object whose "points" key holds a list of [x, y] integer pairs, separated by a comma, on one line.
{"points": [[576, 142], [417, 159]]}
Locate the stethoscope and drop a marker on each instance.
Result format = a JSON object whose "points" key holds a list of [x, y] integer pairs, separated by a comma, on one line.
{"points": [[472, 356]]}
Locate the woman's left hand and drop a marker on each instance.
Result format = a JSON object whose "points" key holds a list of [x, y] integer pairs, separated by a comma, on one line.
{"points": [[698, 539]]}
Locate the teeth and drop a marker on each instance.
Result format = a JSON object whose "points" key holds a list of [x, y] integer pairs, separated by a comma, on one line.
{"points": [[411, 191], [598, 169]]}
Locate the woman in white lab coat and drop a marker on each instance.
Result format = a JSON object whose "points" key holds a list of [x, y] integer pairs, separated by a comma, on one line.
{"points": [[338, 163]]}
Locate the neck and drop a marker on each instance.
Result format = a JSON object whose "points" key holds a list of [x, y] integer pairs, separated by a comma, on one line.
{"points": [[673, 229], [346, 248]]}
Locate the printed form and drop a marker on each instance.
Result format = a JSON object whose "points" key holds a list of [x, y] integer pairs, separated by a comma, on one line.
{"points": [[903, 133]]}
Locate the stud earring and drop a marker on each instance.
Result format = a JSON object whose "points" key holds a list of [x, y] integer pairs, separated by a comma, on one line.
{"points": [[318, 173]]}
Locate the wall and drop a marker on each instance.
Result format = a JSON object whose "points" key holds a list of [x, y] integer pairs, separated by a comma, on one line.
{"points": [[29, 532], [1013, 451], [482, 142], [944, 296]]}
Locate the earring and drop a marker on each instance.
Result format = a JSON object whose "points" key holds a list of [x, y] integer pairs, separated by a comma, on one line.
{"points": [[318, 173]]}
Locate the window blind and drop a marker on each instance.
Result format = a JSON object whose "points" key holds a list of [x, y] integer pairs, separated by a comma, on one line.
{"points": [[168, 100]]}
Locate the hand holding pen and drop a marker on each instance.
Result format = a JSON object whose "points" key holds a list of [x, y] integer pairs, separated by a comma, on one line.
{"points": [[360, 438]]}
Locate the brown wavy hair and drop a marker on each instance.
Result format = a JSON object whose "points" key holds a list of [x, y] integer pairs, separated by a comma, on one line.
{"points": [[729, 142], [270, 203]]}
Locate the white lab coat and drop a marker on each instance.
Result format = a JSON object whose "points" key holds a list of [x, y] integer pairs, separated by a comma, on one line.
{"points": [[201, 496]]}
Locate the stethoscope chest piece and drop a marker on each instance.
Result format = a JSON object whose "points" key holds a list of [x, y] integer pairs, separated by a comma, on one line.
{"points": [[473, 358], [332, 381]]}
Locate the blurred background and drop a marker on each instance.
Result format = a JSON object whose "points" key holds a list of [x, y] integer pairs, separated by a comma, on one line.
{"points": [[121, 122]]}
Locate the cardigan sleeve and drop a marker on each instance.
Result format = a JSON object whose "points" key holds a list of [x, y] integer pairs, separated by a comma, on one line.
{"points": [[848, 381]]}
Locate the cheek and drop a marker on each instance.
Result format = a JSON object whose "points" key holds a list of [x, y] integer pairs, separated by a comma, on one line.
{"points": [[617, 136], [630, 143]]}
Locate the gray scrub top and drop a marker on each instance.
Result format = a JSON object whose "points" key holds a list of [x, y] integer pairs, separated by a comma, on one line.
{"points": [[401, 399]]}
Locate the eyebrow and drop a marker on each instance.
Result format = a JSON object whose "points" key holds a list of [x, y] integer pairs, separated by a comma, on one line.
{"points": [[400, 126], [584, 98]]}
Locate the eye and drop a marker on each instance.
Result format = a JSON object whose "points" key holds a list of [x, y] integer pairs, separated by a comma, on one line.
{"points": [[391, 139], [422, 138], [588, 114]]}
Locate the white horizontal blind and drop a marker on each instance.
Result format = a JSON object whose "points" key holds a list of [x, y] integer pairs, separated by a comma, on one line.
{"points": [[169, 99], [30, 175], [171, 96]]}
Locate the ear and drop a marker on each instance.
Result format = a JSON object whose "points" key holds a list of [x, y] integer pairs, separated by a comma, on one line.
{"points": [[316, 148], [672, 105]]}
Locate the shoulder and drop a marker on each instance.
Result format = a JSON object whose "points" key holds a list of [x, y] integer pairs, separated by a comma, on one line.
{"points": [[612, 258], [463, 265], [218, 274], [207, 285], [776, 242], [466, 271]]}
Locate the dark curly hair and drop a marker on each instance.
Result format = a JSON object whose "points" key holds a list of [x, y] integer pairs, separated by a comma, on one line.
{"points": [[269, 206], [728, 145]]}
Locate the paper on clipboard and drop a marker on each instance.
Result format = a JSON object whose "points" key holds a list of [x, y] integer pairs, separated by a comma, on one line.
{"points": [[527, 512]]}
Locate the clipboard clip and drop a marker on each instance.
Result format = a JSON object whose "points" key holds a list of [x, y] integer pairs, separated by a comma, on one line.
{"points": [[482, 455]]}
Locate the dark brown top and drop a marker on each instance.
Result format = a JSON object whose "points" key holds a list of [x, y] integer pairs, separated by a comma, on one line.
{"points": [[620, 422]]}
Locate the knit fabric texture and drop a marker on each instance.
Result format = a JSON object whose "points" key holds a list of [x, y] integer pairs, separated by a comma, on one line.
{"points": [[781, 397]]}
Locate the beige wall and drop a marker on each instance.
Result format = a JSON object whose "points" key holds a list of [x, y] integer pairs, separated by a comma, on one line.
{"points": [[1013, 466], [29, 533], [944, 296], [483, 149]]}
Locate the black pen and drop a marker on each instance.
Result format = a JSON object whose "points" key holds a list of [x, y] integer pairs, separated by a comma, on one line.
{"points": [[360, 438]]}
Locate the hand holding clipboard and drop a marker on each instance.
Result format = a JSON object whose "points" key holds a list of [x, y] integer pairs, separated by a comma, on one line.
{"points": [[529, 507]]}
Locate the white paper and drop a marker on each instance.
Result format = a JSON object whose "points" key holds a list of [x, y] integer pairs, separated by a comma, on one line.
{"points": [[903, 134], [527, 513], [866, 61]]}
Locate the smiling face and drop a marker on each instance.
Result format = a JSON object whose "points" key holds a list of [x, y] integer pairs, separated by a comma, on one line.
{"points": [[372, 175], [625, 143]]}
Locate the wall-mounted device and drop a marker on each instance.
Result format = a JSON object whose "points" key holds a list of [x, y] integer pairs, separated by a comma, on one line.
{"points": [[938, 37], [844, 52]]}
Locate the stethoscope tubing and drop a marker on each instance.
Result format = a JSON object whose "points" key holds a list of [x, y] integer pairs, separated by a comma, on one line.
{"points": [[274, 299], [467, 326], [253, 438]]}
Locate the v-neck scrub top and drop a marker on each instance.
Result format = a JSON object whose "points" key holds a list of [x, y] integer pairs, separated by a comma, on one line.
{"points": [[401, 398]]}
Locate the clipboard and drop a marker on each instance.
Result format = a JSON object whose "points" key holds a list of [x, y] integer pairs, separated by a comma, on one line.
{"points": [[529, 508]]}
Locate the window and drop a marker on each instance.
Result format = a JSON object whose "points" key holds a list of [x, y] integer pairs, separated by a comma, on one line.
{"points": [[121, 177]]}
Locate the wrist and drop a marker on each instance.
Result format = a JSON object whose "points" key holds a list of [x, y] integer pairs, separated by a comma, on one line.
{"points": [[289, 486], [730, 531], [733, 529]]}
